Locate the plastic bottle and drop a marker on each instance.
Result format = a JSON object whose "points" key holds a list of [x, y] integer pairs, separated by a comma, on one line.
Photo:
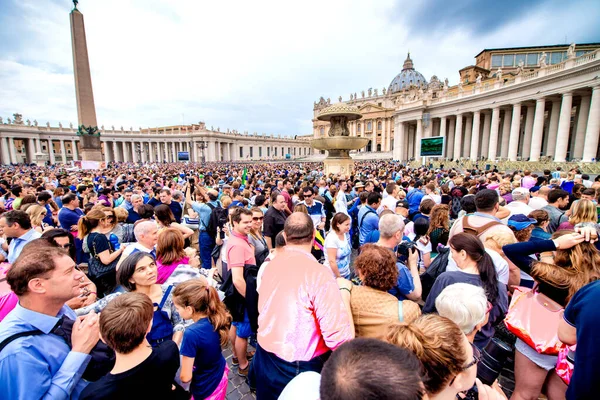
{"points": [[114, 240]]}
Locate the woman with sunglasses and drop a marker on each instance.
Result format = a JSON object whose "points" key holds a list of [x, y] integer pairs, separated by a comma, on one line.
{"points": [[449, 360], [256, 237], [476, 268], [61, 238], [93, 228]]}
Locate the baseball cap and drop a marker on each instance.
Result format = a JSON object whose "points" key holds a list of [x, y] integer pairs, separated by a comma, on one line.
{"points": [[402, 203], [520, 221]]}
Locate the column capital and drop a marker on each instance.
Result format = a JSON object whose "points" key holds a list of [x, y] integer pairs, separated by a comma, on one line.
{"points": [[567, 94], [540, 99]]}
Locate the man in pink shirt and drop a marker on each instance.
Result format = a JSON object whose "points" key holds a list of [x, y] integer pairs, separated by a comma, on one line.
{"points": [[240, 257], [528, 181], [302, 315]]}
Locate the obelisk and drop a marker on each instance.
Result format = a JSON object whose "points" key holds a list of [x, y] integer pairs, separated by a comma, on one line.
{"points": [[88, 132]]}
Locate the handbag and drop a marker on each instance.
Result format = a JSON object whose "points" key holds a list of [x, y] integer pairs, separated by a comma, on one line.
{"points": [[95, 267], [565, 363], [533, 317]]}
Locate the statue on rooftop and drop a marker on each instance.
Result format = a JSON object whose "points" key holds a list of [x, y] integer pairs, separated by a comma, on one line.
{"points": [[340, 99], [35, 123], [376, 92], [520, 67], [1, 120], [571, 51], [478, 79], [48, 124], [28, 122], [499, 74], [363, 94], [71, 125], [60, 125], [370, 92], [542, 61], [383, 90], [18, 119]]}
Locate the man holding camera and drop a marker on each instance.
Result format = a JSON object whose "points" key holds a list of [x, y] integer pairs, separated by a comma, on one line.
{"points": [[391, 229]]}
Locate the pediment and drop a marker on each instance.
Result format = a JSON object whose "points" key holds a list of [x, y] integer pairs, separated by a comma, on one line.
{"points": [[370, 107]]}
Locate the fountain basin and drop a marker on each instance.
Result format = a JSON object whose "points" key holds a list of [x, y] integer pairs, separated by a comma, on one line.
{"points": [[339, 161]]}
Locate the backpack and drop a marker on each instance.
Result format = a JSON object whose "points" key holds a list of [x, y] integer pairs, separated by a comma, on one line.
{"points": [[218, 219], [435, 269], [455, 205], [355, 240], [477, 231]]}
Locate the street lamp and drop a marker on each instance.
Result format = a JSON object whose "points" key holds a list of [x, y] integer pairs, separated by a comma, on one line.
{"points": [[202, 148]]}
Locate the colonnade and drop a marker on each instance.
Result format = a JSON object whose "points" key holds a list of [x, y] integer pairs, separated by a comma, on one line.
{"points": [[34, 145], [559, 127]]}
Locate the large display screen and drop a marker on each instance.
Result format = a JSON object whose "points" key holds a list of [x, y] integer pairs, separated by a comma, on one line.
{"points": [[432, 146]]}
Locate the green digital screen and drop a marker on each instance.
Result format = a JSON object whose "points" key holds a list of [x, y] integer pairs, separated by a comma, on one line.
{"points": [[432, 146]]}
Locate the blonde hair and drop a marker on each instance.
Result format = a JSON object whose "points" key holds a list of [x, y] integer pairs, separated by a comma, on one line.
{"points": [[437, 342], [501, 238], [583, 211], [226, 201], [121, 214], [36, 214]]}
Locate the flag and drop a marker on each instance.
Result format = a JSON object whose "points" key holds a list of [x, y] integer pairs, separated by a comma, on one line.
{"points": [[245, 176]]}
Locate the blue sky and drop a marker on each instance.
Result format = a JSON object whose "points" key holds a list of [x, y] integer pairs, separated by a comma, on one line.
{"points": [[253, 66]]}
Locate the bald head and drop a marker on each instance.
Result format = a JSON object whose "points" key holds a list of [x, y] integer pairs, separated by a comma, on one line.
{"points": [[146, 233], [299, 229]]}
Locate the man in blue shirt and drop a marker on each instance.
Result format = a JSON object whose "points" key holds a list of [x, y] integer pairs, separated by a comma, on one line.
{"points": [[68, 217], [368, 220], [391, 228], [43, 199], [43, 365], [316, 210], [16, 224], [205, 240], [166, 198], [414, 198]]}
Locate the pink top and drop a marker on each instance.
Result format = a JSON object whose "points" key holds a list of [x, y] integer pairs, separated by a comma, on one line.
{"points": [[165, 270], [302, 314], [239, 251], [528, 182]]}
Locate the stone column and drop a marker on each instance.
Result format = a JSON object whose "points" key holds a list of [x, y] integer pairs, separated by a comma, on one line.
{"points": [[443, 129], [63, 151], [13, 150], [38, 145], [126, 152], [528, 132], [593, 127], [143, 152], [538, 130], [115, 151], [553, 128], [106, 152], [173, 151], [582, 118], [505, 134], [74, 149], [418, 137], [458, 136], [450, 142], [30, 150], [485, 136], [50, 151], [515, 131], [398, 151], [134, 151], [475, 136], [494, 133], [5, 152], [564, 125], [467, 140]]}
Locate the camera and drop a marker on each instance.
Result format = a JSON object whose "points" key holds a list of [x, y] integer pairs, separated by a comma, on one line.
{"points": [[404, 248], [493, 359]]}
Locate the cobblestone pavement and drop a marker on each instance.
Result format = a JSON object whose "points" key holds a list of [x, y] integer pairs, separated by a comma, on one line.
{"points": [[237, 389]]}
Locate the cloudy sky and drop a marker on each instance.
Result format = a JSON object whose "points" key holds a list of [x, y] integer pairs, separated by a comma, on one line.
{"points": [[253, 65]]}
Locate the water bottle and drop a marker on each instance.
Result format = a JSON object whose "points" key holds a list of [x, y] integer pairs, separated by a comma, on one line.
{"points": [[114, 240]]}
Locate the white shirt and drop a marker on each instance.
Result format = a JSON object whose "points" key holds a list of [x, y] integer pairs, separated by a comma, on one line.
{"points": [[341, 204], [517, 207], [389, 203], [500, 265], [304, 386], [434, 197], [537, 203]]}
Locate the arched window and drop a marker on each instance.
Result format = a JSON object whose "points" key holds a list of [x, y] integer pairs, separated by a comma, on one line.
{"points": [[358, 128], [379, 147], [369, 126], [322, 131], [379, 125]]}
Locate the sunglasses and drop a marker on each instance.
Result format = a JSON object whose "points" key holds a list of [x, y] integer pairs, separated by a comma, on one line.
{"points": [[476, 359], [65, 246], [257, 218]]}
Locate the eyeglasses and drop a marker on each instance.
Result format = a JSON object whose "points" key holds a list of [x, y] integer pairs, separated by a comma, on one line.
{"points": [[476, 357], [257, 218], [65, 246]]}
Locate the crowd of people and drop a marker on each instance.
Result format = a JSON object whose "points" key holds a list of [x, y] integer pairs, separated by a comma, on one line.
{"points": [[392, 282]]}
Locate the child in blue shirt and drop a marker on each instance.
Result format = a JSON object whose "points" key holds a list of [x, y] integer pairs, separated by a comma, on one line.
{"points": [[202, 363]]}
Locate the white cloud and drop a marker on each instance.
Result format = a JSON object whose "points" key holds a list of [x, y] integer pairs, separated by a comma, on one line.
{"points": [[255, 66]]}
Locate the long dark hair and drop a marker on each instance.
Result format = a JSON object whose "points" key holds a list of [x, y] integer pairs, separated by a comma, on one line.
{"points": [[476, 251]]}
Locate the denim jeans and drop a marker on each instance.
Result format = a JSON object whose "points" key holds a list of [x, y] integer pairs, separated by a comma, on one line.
{"points": [[270, 374], [206, 244]]}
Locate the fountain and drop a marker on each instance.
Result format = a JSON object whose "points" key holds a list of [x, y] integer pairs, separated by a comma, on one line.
{"points": [[339, 143]]}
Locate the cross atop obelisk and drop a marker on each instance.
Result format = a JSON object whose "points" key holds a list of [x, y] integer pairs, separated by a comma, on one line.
{"points": [[86, 110]]}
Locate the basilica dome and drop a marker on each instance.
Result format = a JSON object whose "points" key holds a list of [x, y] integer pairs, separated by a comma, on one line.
{"points": [[407, 77]]}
